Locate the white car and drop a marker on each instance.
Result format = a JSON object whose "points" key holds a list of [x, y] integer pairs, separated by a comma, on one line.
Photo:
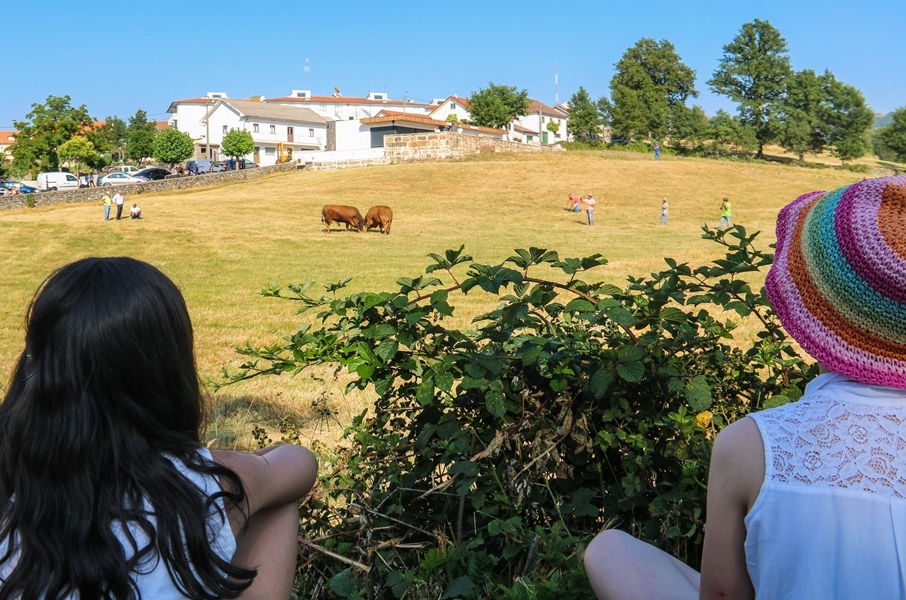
{"points": [[127, 169], [118, 178]]}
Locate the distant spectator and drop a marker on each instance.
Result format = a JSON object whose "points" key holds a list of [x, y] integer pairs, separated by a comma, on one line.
{"points": [[657, 151], [108, 204], [118, 200], [664, 208], [575, 203], [726, 214], [590, 209], [135, 212]]}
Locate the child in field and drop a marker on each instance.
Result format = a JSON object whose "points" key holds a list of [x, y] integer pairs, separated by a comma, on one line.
{"points": [[808, 500], [106, 488]]}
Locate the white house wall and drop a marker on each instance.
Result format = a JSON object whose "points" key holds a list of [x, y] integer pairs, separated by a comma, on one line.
{"points": [[352, 135], [188, 118]]}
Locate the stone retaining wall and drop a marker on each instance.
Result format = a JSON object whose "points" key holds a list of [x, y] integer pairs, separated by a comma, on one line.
{"points": [[319, 165], [447, 144], [173, 183]]}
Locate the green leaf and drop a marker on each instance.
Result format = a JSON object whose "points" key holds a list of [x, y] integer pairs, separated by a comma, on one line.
{"points": [[387, 349], [621, 316], [466, 467], [424, 395], [580, 305], [698, 394], [600, 381], [495, 403], [461, 587], [630, 352], [631, 371], [671, 313], [775, 401], [343, 583], [582, 506], [444, 381]]}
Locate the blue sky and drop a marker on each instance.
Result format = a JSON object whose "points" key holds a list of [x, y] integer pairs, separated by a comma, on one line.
{"points": [[117, 57]]}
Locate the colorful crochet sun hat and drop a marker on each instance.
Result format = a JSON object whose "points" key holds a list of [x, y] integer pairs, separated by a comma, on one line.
{"points": [[838, 282]]}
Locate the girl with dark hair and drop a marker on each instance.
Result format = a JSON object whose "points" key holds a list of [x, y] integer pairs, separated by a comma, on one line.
{"points": [[106, 489]]}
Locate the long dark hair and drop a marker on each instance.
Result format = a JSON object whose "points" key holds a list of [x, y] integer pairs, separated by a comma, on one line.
{"points": [[105, 391]]}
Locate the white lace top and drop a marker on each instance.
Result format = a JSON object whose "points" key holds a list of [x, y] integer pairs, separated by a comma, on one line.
{"points": [[830, 518]]}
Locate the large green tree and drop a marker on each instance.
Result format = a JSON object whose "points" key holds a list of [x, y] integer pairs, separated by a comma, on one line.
{"points": [[847, 119], [140, 136], [752, 73], [727, 130], [651, 81], [584, 124], [497, 105], [237, 143], [45, 129], [689, 128], [893, 135], [802, 126], [115, 135], [172, 146]]}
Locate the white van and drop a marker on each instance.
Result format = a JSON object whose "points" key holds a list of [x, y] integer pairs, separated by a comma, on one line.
{"points": [[51, 182], [127, 169]]}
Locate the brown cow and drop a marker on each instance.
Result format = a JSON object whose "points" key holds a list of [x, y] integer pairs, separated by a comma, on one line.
{"points": [[339, 213], [379, 216]]}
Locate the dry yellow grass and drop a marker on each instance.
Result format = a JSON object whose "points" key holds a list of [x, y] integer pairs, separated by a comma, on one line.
{"points": [[222, 244]]}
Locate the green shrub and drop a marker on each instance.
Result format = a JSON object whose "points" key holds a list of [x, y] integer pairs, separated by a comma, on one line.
{"points": [[30, 200], [492, 456]]}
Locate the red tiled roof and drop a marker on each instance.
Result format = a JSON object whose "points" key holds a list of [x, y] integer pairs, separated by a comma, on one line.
{"points": [[388, 116], [161, 125], [536, 106], [521, 129], [8, 137]]}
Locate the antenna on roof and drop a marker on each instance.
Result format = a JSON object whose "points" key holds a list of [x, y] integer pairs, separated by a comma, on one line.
{"points": [[336, 92]]}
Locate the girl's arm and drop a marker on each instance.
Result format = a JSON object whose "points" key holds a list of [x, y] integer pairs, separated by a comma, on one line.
{"points": [[737, 472], [273, 476]]}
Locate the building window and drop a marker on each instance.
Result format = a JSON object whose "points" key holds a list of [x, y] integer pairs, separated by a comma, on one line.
{"points": [[273, 129], [257, 149], [452, 106], [269, 150], [225, 130], [254, 127], [204, 149], [311, 133], [175, 124]]}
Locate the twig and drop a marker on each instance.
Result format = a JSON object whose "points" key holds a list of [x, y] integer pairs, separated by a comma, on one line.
{"points": [[334, 555]]}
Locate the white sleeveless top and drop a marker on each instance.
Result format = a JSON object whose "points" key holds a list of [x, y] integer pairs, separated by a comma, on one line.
{"points": [[150, 575], [830, 518]]}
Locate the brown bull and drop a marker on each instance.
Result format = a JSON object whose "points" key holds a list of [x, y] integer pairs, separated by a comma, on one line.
{"points": [[379, 216], [339, 213]]}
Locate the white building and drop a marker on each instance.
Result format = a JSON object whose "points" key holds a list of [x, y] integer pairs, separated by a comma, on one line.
{"points": [[279, 131], [188, 116], [533, 127], [341, 108]]}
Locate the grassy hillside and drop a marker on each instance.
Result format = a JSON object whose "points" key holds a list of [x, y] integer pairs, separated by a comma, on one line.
{"points": [[221, 245]]}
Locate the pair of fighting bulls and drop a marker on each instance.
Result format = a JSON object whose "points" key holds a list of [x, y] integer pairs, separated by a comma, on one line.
{"points": [[377, 216]]}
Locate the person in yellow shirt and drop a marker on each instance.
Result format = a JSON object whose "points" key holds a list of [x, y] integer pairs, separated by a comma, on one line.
{"points": [[108, 204], [726, 214]]}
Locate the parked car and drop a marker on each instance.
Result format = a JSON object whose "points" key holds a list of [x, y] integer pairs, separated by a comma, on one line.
{"points": [[127, 169], [57, 180], [15, 185], [152, 173], [118, 178], [203, 166], [246, 164]]}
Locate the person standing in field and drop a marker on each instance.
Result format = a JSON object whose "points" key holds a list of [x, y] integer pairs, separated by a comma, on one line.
{"points": [[726, 214], [664, 208], [108, 204], [590, 209], [657, 151], [118, 200]]}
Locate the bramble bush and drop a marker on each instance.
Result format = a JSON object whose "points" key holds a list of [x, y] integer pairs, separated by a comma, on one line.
{"points": [[492, 456]]}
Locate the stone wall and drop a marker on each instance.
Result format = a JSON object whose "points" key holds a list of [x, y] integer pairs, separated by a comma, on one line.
{"points": [[164, 185], [341, 163], [447, 144]]}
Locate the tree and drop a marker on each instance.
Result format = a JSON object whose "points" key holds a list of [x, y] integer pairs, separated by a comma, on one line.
{"points": [[802, 128], [650, 81], [172, 146], [689, 127], [237, 143], [847, 119], [140, 135], [115, 134], [894, 135], [45, 129], [753, 72], [497, 105], [77, 149], [727, 130], [584, 124]]}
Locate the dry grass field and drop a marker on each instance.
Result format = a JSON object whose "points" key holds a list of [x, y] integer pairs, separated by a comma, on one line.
{"points": [[223, 244]]}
